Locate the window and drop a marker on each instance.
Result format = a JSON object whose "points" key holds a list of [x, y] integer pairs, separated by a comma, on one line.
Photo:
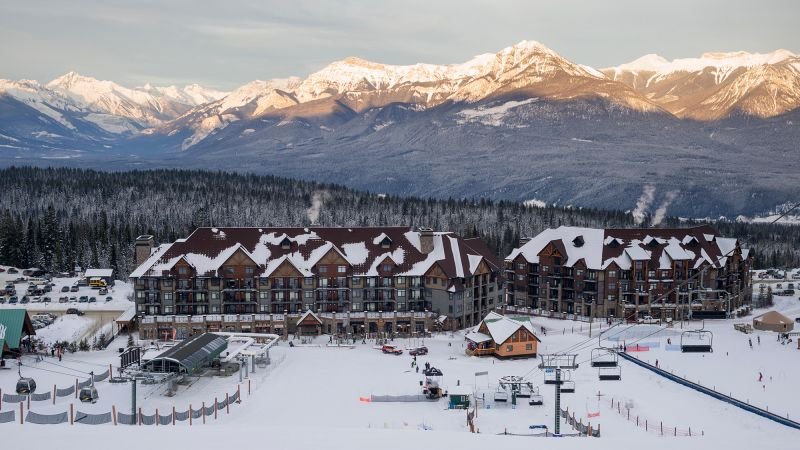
{"points": [[341, 269], [651, 274], [323, 269], [356, 293], [387, 267], [215, 296], [528, 347], [545, 268], [308, 294], [400, 281], [521, 266], [263, 308], [182, 270], [612, 286], [638, 264], [228, 270], [167, 283], [215, 309], [579, 272], [556, 261], [263, 295], [401, 293], [168, 310], [520, 277], [612, 274], [249, 270], [509, 348], [323, 282], [308, 281], [355, 307]]}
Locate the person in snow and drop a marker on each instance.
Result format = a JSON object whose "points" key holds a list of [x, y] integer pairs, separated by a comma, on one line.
{"points": [[760, 377], [750, 340], [759, 339], [656, 364]]}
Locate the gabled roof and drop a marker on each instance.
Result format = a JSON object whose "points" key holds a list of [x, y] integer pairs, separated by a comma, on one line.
{"points": [[14, 323], [658, 246], [311, 314], [208, 248], [773, 317], [501, 327]]}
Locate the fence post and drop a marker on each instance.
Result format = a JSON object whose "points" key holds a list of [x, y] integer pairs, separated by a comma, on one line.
{"points": [[114, 414], [662, 428], [204, 412], [29, 402], [190, 414], [21, 413], [76, 388], [227, 404], [239, 392], [645, 425], [1, 399], [690, 431], [248, 388], [72, 414], [173, 416], [157, 417], [139, 416], [215, 408], [110, 373], [54, 394]]}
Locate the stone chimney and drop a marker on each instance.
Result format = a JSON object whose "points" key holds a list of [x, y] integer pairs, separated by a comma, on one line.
{"points": [[523, 241], [144, 247], [425, 239]]}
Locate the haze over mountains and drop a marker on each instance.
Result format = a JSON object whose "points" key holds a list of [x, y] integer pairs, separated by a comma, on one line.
{"points": [[523, 123]]}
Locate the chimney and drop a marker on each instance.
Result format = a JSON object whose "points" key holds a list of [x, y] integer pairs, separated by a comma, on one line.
{"points": [[425, 239], [144, 247], [523, 241]]}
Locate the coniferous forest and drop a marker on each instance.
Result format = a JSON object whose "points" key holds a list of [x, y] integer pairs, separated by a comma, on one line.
{"points": [[60, 218]]}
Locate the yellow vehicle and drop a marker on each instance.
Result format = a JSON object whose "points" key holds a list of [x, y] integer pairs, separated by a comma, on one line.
{"points": [[97, 283]]}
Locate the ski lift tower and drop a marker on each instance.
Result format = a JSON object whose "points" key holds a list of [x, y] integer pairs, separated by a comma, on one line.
{"points": [[555, 363]]}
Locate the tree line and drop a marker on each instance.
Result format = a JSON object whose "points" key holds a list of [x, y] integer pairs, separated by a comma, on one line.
{"points": [[59, 218]]}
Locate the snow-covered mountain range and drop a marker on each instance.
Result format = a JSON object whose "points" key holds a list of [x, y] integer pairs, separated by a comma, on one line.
{"points": [[519, 112]]}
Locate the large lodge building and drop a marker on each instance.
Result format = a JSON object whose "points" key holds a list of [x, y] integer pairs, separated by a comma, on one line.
{"points": [[356, 281], [629, 273]]}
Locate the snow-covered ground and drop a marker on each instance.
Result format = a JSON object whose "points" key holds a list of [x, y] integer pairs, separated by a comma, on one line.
{"points": [[311, 396]]}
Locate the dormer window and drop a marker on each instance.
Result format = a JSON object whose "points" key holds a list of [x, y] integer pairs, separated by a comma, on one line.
{"points": [[614, 243], [652, 243], [286, 244], [578, 241], [386, 242]]}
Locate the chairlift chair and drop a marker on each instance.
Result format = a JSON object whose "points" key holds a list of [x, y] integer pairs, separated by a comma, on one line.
{"points": [[609, 373], [604, 357], [567, 387], [697, 341], [500, 396], [26, 386], [88, 394], [536, 399]]}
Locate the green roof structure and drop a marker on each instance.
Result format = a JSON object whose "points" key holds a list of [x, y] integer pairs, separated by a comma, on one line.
{"points": [[14, 324]]}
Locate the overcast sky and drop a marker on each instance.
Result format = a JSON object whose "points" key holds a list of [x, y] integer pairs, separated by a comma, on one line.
{"points": [[224, 44]]}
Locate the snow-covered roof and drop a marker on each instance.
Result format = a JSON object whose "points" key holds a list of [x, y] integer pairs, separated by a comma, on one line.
{"points": [[103, 273], [599, 248], [478, 337], [501, 327], [307, 314], [207, 249]]}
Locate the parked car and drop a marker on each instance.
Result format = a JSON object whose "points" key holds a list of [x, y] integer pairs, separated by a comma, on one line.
{"points": [[47, 299], [109, 298], [74, 288], [83, 299], [2, 300], [2, 270], [12, 300], [74, 311], [73, 299], [92, 299], [36, 300], [64, 288], [12, 270], [24, 300], [418, 351], [391, 349], [63, 299], [103, 291], [647, 320]]}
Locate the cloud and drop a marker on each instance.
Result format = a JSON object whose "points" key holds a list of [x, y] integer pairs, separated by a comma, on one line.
{"points": [[661, 212]]}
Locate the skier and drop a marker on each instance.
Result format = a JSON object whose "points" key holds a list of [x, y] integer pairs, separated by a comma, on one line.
{"points": [[760, 377], [759, 339], [750, 340], [656, 364]]}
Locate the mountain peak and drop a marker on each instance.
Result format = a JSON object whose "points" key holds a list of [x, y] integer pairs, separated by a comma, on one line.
{"points": [[69, 79]]}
